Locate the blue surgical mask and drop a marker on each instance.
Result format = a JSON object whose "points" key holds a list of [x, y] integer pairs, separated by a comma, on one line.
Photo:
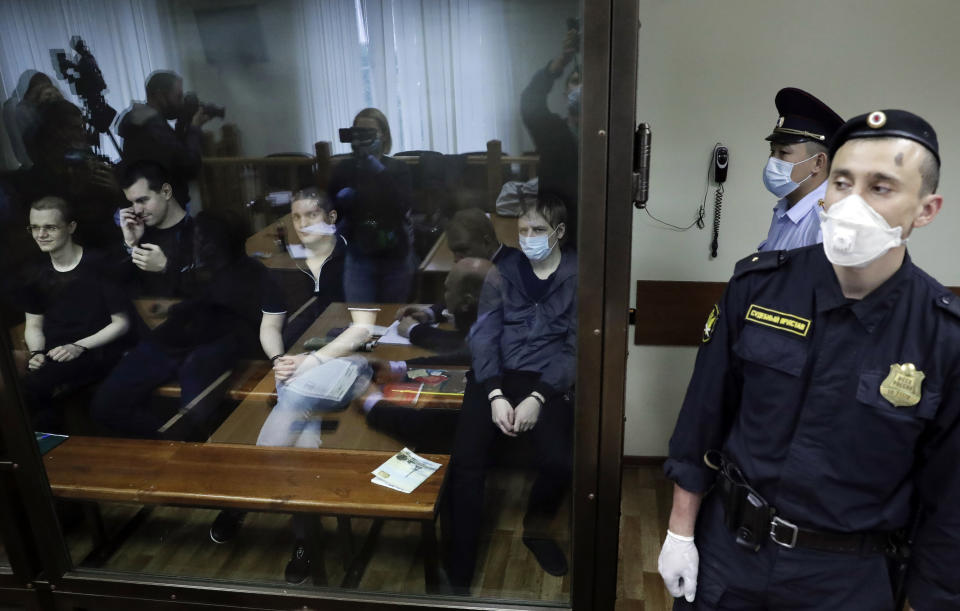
{"points": [[776, 176], [537, 248]]}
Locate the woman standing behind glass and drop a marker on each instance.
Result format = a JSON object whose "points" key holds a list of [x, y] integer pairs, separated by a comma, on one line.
{"points": [[372, 194]]}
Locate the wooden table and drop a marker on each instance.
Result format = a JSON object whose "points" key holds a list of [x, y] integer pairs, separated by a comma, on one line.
{"points": [[440, 258], [289, 480], [243, 425], [154, 472]]}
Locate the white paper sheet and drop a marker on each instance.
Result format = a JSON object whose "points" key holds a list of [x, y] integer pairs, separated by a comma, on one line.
{"points": [[404, 471]]}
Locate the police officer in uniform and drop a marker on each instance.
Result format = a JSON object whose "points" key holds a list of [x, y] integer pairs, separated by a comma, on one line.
{"points": [[824, 408], [796, 172]]}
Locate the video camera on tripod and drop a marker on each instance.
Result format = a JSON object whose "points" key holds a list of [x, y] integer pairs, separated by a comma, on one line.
{"points": [[86, 80]]}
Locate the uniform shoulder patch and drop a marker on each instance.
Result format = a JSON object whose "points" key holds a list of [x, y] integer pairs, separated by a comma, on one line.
{"points": [[760, 261], [711, 323], [948, 302]]}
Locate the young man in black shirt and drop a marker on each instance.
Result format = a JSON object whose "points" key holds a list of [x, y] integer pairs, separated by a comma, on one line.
{"points": [[157, 231], [77, 321], [202, 337]]}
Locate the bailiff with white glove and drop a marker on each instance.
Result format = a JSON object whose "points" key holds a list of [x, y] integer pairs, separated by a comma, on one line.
{"points": [[678, 565]]}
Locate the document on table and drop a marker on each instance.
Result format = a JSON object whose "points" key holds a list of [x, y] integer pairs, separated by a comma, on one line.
{"points": [[404, 471]]}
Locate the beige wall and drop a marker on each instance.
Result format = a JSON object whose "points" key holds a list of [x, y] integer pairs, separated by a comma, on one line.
{"points": [[708, 72]]}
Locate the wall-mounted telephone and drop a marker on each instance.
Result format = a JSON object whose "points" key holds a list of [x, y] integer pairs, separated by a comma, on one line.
{"points": [[721, 161]]}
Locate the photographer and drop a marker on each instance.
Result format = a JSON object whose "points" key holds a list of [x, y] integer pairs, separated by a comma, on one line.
{"points": [[147, 135], [556, 137], [64, 165], [372, 194]]}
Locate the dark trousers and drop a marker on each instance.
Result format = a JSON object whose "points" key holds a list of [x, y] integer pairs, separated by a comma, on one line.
{"points": [[55, 379], [122, 402], [775, 578], [429, 430], [552, 438]]}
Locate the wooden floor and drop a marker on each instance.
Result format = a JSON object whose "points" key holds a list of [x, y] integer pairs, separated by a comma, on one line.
{"points": [[174, 541], [644, 509]]}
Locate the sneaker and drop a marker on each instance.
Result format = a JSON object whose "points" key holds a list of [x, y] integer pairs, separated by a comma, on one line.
{"points": [[227, 525], [298, 569], [548, 554]]}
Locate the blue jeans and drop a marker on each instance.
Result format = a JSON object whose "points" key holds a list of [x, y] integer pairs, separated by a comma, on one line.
{"points": [[376, 280], [295, 421]]}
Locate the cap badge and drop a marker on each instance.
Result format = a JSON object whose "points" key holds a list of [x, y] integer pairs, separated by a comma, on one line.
{"points": [[780, 122], [902, 386], [876, 120]]}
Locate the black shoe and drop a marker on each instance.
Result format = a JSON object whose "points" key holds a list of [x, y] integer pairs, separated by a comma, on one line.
{"points": [[227, 525], [548, 554], [298, 569]]}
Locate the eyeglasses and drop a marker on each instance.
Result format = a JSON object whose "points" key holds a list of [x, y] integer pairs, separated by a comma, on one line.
{"points": [[35, 229]]}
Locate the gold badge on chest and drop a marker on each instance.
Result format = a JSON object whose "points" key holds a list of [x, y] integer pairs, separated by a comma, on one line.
{"points": [[902, 386]]}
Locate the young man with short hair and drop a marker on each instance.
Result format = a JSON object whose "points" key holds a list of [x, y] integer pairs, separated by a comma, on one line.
{"points": [[157, 231], [523, 349], [77, 320]]}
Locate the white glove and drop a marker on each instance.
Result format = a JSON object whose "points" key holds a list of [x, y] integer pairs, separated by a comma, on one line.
{"points": [[678, 564]]}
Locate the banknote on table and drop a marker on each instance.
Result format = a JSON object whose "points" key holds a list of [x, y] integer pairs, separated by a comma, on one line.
{"points": [[404, 471]]}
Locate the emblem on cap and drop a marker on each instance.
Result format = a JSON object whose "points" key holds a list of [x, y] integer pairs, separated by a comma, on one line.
{"points": [[902, 386], [780, 122], [877, 119]]}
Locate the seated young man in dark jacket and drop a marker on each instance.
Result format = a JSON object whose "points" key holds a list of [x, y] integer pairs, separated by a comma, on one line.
{"points": [[202, 337], [524, 364], [157, 233]]}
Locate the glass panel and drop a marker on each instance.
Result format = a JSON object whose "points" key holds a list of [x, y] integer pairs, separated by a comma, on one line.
{"points": [[238, 309]]}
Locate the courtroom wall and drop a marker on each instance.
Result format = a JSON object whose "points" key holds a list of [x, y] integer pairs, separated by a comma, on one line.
{"points": [[708, 73]]}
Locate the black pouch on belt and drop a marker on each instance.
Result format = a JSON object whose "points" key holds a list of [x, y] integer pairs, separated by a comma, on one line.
{"points": [[745, 512]]}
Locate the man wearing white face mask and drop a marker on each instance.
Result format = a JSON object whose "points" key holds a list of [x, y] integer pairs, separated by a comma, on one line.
{"points": [[823, 415], [796, 172]]}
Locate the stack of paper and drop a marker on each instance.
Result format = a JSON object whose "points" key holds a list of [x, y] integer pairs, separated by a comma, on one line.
{"points": [[404, 471]]}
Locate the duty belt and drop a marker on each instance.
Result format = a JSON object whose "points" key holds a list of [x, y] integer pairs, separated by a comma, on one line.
{"points": [[751, 519]]}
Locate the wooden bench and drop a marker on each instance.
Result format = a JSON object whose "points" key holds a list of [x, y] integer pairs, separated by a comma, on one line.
{"points": [[250, 478]]}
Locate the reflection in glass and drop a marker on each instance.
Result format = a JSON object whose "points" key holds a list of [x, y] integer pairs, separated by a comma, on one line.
{"points": [[357, 235]]}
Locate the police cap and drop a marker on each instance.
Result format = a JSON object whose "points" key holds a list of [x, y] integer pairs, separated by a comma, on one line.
{"points": [[803, 117], [888, 124]]}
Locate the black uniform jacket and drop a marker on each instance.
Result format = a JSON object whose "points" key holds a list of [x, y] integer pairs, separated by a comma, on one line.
{"points": [[838, 411]]}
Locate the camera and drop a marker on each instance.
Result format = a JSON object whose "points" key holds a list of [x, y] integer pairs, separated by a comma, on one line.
{"points": [[363, 140], [191, 104], [359, 135], [87, 82]]}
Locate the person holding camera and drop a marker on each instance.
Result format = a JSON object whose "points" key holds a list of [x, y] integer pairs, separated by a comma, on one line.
{"points": [[147, 135], [557, 138], [372, 195]]}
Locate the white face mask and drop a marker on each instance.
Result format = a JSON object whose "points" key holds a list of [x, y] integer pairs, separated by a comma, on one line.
{"points": [[776, 176], [855, 235], [537, 248], [320, 228]]}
